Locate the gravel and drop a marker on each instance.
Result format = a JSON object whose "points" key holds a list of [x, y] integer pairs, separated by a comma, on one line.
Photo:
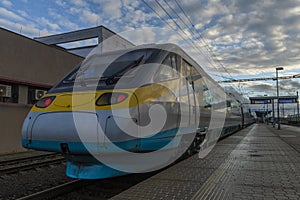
{"points": [[31, 181]]}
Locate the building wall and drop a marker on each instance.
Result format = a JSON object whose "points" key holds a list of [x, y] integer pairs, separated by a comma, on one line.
{"points": [[26, 65], [11, 118], [25, 59]]}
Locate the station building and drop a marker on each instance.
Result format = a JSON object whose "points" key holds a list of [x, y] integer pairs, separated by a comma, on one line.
{"points": [[30, 67]]}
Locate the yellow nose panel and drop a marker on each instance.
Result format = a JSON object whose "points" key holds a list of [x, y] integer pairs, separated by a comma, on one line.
{"points": [[75, 100]]}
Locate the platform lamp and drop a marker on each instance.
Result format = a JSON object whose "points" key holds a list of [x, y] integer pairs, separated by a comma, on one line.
{"points": [[278, 117]]}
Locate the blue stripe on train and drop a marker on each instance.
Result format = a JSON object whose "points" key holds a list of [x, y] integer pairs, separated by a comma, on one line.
{"points": [[155, 142], [91, 171]]}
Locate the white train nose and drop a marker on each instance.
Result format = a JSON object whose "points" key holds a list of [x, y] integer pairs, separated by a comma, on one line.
{"points": [[67, 128]]}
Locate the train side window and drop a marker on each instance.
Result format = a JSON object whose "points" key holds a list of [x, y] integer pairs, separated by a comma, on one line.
{"points": [[207, 99], [199, 88], [187, 71], [169, 69], [228, 103]]}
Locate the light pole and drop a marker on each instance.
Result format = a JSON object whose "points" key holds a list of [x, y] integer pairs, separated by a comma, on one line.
{"points": [[278, 118]]}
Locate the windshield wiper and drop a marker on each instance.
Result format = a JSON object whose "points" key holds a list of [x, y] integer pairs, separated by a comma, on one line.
{"points": [[73, 76], [111, 79]]}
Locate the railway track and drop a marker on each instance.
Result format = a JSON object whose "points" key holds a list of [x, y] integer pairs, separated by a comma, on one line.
{"points": [[76, 189], [89, 189], [56, 191], [21, 164]]}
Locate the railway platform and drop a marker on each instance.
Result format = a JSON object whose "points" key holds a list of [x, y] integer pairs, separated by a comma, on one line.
{"points": [[258, 162]]}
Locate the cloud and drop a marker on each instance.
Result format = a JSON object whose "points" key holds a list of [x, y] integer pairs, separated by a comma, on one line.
{"points": [[28, 29], [22, 13], [111, 10], [6, 3], [141, 36], [79, 3], [90, 17], [46, 22], [6, 13], [250, 38], [62, 21], [60, 3], [290, 85]]}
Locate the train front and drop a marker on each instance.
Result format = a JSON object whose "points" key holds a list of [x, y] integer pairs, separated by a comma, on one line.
{"points": [[76, 116]]}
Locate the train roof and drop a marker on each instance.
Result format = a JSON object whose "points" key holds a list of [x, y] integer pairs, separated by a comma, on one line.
{"points": [[169, 47], [166, 46]]}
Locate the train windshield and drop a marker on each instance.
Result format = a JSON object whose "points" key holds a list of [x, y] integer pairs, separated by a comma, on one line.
{"points": [[107, 68]]}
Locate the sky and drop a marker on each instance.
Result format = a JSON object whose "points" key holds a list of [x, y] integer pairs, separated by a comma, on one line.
{"points": [[228, 38]]}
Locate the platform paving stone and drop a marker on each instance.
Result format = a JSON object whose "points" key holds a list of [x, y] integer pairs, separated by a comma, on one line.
{"points": [[259, 162]]}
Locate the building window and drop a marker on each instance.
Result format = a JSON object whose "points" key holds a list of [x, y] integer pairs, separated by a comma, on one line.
{"points": [[35, 93], [9, 92]]}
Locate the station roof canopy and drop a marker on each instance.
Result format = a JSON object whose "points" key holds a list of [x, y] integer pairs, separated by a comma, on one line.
{"points": [[99, 34], [268, 99]]}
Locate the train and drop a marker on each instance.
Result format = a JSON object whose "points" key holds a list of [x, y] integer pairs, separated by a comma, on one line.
{"points": [[132, 111], [293, 119]]}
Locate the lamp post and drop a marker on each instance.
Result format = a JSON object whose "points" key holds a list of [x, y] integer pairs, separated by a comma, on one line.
{"points": [[278, 118]]}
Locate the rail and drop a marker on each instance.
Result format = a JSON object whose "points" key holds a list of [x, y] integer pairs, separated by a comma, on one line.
{"points": [[56, 191], [22, 164]]}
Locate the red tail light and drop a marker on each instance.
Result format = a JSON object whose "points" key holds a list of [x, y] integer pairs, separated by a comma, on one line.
{"points": [[121, 98], [45, 102], [111, 98]]}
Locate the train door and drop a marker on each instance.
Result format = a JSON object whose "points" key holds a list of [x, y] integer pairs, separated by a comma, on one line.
{"points": [[166, 92], [187, 73], [243, 116], [202, 114]]}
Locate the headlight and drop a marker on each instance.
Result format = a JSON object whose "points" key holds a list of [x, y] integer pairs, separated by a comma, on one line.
{"points": [[45, 102], [111, 98]]}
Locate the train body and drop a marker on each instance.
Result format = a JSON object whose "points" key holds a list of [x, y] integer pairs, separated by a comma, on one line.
{"points": [[103, 107]]}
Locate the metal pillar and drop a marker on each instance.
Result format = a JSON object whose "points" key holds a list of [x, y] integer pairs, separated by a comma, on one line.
{"points": [[278, 114], [273, 112], [267, 113], [298, 117]]}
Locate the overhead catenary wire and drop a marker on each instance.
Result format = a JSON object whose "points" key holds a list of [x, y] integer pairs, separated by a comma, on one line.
{"points": [[176, 23], [188, 27], [181, 29], [174, 29], [203, 40], [192, 33], [211, 61]]}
